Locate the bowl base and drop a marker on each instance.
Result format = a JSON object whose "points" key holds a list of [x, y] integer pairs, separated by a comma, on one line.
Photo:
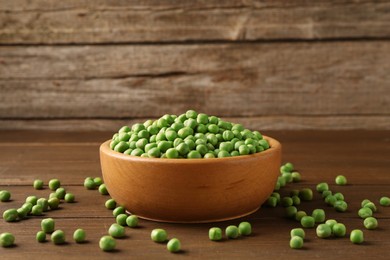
{"points": [[196, 221]]}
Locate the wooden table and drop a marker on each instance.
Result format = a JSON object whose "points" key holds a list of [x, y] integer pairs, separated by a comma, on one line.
{"points": [[362, 156]]}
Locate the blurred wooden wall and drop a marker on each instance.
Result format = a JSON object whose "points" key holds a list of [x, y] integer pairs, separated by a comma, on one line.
{"points": [[99, 64]]}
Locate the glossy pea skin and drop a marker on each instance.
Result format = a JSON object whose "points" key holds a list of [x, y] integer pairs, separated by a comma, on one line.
{"points": [[299, 215], [297, 232], [54, 203], [116, 230], [245, 228], [48, 225], [323, 231], [340, 206], [296, 242], [306, 194], [107, 243], [118, 210], [307, 222], [40, 236], [58, 237], [370, 223], [341, 180], [356, 236], [339, 230], [103, 189], [215, 234], [54, 184], [69, 197], [365, 212], [159, 235], [110, 204], [121, 219], [132, 221], [79, 235], [384, 201], [7, 239], [10, 215], [174, 245], [38, 184], [318, 215], [232, 232]]}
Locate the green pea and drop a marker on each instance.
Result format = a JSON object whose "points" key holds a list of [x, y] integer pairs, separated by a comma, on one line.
{"points": [[296, 176], [159, 235], [215, 234], [341, 180], [69, 197], [194, 155], [288, 167], [53, 195], [340, 206], [110, 204], [48, 225], [323, 231], [118, 210], [296, 200], [38, 184], [10, 215], [291, 211], [54, 184], [222, 154], [40, 236], [98, 181], [232, 232], [27, 206], [330, 200], [60, 193], [296, 242], [54, 203], [365, 212], [89, 183], [384, 201], [356, 236], [116, 230], [7, 239], [299, 215], [79, 235], [121, 219], [339, 230], [331, 223], [174, 245], [22, 213], [107, 243], [44, 203], [326, 193], [172, 153], [318, 215], [370, 223], [103, 189], [37, 210], [32, 199], [307, 221], [306, 194], [287, 176], [297, 232], [371, 206], [132, 221], [338, 196], [154, 152], [58, 237], [245, 228], [276, 195], [272, 202], [321, 187]]}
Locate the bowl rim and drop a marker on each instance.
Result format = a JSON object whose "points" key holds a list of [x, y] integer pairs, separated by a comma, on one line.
{"points": [[274, 145]]}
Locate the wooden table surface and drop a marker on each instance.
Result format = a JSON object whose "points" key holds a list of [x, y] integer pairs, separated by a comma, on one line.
{"points": [[362, 156]]}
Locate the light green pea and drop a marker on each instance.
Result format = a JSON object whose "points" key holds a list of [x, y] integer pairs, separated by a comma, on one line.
{"points": [[107, 243], [245, 228], [38, 184], [79, 235], [370, 223], [341, 180], [58, 237], [132, 221], [323, 231], [174, 245], [54, 184], [159, 235], [40, 236], [297, 232], [116, 231], [357, 236], [296, 242], [7, 239], [215, 234], [232, 232]]}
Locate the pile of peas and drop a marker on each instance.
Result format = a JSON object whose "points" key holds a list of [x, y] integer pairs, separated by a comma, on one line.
{"points": [[191, 135]]}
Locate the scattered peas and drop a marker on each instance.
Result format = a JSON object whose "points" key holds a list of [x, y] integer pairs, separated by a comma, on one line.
{"points": [[38, 184], [103, 189], [107, 243], [118, 210], [79, 235], [365, 212], [40, 236], [384, 201], [10, 215], [232, 232], [245, 228], [323, 231], [340, 206], [215, 234], [318, 215], [48, 225], [339, 230], [306, 194], [89, 183], [174, 245], [110, 204], [5, 195], [296, 242], [121, 219], [356, 236], [116, 230], [58, 237], [307, 221], [132, 221], [341, 180], [7, 239], [69, 197], [54, 203], [297, 232], [54, 184], [370, 223], [159, 235]]}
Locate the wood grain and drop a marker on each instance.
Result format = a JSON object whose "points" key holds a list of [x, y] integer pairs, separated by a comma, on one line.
{"points": [[153, 21]]}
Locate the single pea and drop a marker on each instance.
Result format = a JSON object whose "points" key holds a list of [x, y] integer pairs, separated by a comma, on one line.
{"points": [[194, 155], [60, 193], [54, 203], [339, 230], [321, 187], [287, 176], [215, 234], [296, 176], [365, 212], [110, 204], [53, 195], [318, 215], [330, 200], [371, 206], [356, 236], [272, 202], [32, 199], [58, 237], [245, 228], [22, 213], [299, 215], [118, 210], [159, 235], [297, 232], [48, 225], [323, 231], [326, 193], [27, 206], [291, 211], [69, 197], [121, 219], [331, 222], [54, 184], [44, 203], [341, 180], [364, 202], [338, 196], [384, 201], [89, 183], [296, 242], [37, 210], [116, 230], [282, 181], [296, 200], [306, 194], [340, 206], [10, 215], [276, 195], [103, 189], [232, 232], [307, 222], [38, 184], [154, 152], [79, 235], [370, 223], [132, 221], [107, 243], [287, 201], [174, 245], [7, 239], [172, 153], [40, 236]]}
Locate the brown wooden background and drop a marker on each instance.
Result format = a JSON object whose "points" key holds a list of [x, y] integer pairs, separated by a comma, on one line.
{"points": [[99, 64]]}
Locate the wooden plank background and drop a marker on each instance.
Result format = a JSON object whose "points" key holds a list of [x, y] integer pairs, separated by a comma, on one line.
{"points": [[96, 65]]}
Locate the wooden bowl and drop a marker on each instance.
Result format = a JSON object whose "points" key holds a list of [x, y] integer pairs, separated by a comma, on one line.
{"points": [[191, 190]]}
